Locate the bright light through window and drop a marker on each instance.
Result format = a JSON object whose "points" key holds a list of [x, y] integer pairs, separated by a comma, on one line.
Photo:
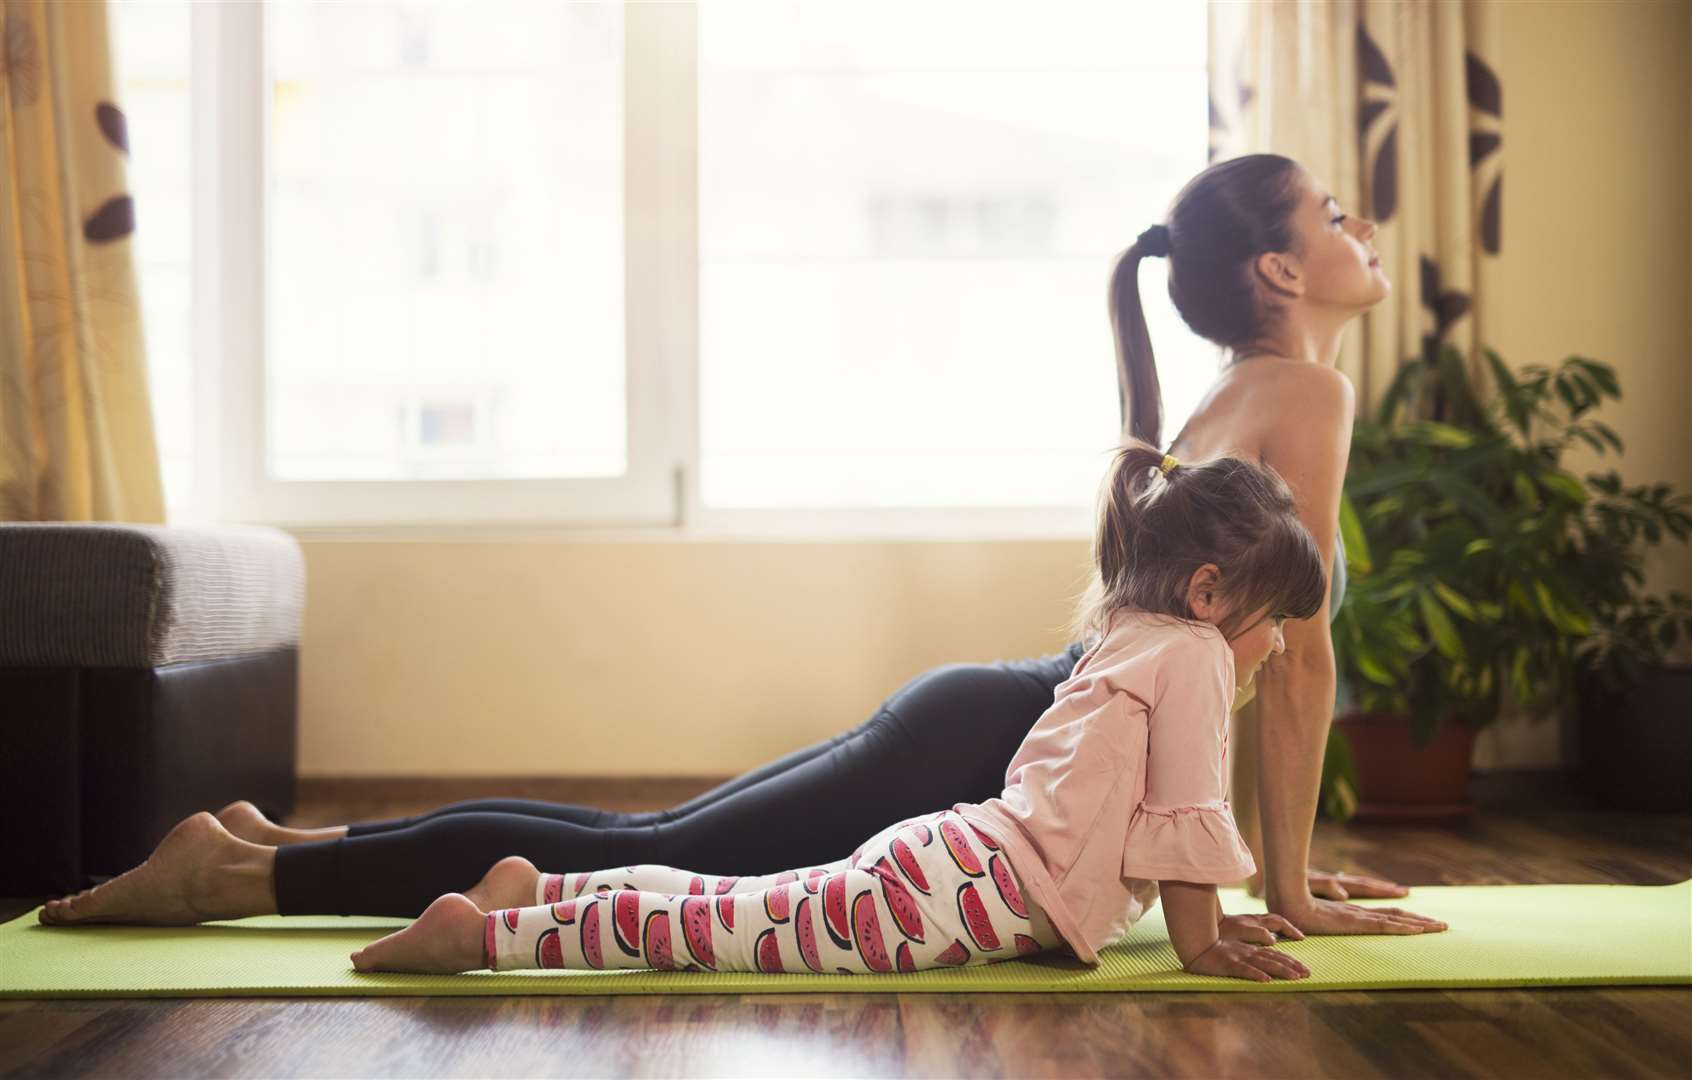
{"points": [[445, 247], [908, 218], [151, 62]]}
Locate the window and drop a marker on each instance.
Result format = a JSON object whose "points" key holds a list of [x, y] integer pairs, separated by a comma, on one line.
{"points": [[906, 238], [445, 280], [152, 74], [525, 262]]}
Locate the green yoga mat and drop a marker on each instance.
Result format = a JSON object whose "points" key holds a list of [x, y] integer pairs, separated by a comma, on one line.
{"points": [[1500, 936]]}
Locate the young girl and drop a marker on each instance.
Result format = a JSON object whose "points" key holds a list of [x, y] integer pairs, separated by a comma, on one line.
{"points": [[1114, 800]]}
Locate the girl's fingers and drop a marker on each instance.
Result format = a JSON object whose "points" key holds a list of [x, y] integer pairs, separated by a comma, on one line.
{"points": [[1278, 965], [1244, 969], [1289, 964], [1281, 926]]}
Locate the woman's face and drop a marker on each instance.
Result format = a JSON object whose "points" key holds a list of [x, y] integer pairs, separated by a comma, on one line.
{"points": [[1338, 267]]}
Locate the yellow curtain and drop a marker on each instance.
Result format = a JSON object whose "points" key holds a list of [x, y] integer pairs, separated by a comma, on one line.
{"points": [[76, 427], [1396, 105]]}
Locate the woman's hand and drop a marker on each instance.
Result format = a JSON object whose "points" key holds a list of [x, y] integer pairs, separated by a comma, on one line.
{"points": [[1317, 916], [1256, 929], [1332, 886], [1239, 960]]}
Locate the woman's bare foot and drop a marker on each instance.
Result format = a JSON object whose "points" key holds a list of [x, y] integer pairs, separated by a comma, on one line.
{"points": [[445, 939], [248, 822], [511, 883], [199, 872]]}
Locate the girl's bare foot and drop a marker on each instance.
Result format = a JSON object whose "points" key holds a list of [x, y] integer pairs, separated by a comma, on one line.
{"points": [[445, 939], [248, 822], [511, 883], [199, 872]]}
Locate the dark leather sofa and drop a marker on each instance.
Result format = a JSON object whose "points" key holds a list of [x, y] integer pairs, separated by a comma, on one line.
{"points": [[146, 672]]}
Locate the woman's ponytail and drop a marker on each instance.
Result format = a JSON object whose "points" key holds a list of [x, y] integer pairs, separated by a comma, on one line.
{"points": [[1224, 218], [1139, 396]]}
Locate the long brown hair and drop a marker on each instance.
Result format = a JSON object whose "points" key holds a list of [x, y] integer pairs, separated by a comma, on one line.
{"points": [[1156, 529], [1218, 224]]}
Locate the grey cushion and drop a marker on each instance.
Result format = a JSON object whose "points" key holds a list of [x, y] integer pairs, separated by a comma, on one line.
{"points": [[112, 595]]}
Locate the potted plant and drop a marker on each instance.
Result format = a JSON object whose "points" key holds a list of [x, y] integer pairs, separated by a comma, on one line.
{"points": [[1481, 567]]}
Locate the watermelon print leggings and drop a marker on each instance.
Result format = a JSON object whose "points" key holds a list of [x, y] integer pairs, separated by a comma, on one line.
{"points": [[924, 893]]}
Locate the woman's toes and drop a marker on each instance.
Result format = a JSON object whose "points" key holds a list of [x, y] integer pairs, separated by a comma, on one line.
{"points": [[246, 821], [157, 893]]}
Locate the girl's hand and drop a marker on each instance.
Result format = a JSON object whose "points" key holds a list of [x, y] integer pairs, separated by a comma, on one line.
{"points": [[1256, 929], [1238, 960]]}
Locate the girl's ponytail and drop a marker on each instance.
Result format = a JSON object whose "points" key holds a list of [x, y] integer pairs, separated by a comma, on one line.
{"points": [[1133, 473]]}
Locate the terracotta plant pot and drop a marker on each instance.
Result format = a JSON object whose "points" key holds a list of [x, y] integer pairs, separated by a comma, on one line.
{"points": [[1399, 780]]}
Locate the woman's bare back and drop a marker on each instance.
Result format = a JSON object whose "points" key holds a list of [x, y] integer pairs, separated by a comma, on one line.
{"points": [[1231, 418]]}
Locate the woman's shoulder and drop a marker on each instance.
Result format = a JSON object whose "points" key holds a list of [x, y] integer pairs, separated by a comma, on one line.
{"points": [[1277, 375]]}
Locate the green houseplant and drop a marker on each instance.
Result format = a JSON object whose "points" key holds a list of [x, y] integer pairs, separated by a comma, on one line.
{"points": [[1480, 566]]}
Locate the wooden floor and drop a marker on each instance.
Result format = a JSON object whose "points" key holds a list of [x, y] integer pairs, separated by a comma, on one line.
{"points": [[1530, 829]]}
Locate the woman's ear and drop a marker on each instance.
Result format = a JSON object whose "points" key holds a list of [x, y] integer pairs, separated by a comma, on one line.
{"points": [[1204, 592], [1280, 273]]}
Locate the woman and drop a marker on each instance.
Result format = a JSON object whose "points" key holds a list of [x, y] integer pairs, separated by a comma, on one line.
{"points": [[1263, 264]]}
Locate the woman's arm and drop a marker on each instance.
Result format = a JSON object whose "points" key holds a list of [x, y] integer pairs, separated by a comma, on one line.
{"points": [[1295, 698]]}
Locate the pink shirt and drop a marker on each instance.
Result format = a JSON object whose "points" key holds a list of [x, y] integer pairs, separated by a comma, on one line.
{"points": [[1121, 783]]}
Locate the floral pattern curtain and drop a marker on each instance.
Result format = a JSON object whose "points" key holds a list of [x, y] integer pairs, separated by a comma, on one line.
{"points": [[76, 425], [1396, 105]]}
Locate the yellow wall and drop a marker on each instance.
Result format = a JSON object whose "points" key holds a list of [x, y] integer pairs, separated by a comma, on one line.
{"points": [[646, 657], [658, 657], [1597, 255]]}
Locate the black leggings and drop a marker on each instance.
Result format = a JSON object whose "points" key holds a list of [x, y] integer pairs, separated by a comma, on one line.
{"points": [[945, 737]]}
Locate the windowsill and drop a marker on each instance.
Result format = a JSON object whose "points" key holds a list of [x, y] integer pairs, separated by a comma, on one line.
{"points": [[783, 527]]}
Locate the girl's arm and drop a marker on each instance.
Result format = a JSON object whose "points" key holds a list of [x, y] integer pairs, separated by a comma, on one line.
{"points": [[1192, 913]]}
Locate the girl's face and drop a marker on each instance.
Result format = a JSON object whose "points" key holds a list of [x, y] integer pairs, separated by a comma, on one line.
{"points": [[1260, 640], [1338, 267], [1256, 642]]}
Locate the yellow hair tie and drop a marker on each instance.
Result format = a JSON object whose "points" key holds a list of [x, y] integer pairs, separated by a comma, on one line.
{"points": [[1168, 464]]}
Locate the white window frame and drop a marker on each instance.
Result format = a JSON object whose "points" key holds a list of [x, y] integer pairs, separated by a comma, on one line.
{"points": [[231, 122], [658, 497]]}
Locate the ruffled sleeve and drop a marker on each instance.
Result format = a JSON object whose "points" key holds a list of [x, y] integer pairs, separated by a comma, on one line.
{"points": [[1181, 827], [1199, 843]]}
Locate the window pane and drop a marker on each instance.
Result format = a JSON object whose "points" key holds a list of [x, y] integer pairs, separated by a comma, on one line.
{"points": [[151, 56], [908, 219], [445, 241]]}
